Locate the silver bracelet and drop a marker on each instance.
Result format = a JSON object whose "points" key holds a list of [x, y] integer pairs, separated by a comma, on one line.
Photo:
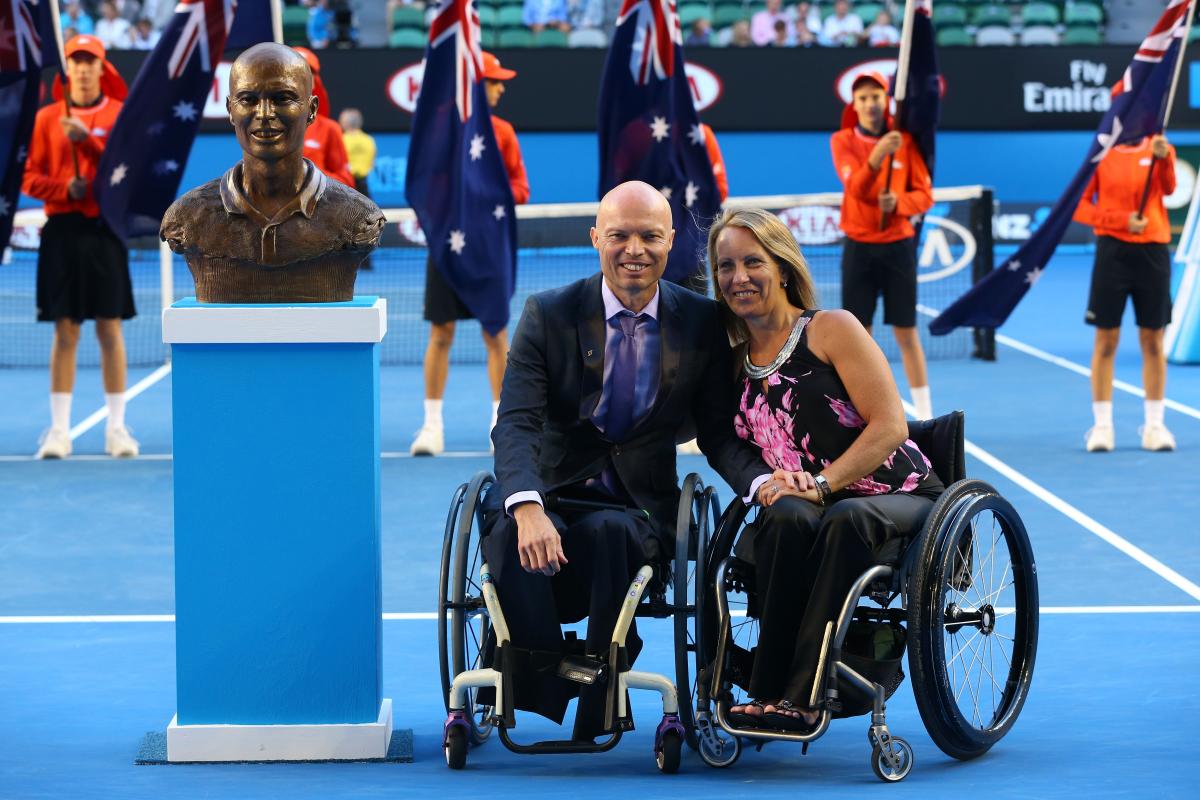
{"points": [[823, 490]]}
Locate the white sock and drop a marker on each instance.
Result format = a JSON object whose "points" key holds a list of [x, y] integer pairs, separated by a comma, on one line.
{"points": [[495, 413], [433, 414], [60, 410], [116, 409], [1154, 412], [920, 398], [1102, 413]]}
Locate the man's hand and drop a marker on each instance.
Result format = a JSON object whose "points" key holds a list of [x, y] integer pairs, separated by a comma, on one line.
{"points": [[538, 542], [1137, 223], [887, 145], [77, 188], [1158, 146], [784, 483], [887, 202], [73, 129]]}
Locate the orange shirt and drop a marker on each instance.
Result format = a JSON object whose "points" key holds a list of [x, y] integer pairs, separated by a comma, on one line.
{"points": [[1117, 186], [323, 145], [717, 161], [514, 165], [50, 168], [911, 184]]}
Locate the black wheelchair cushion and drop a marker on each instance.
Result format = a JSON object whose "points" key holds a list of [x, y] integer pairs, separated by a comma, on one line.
{"points": [[942, 440]]}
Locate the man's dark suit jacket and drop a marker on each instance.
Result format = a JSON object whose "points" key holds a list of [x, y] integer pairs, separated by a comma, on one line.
{"points": [[544, 436]]}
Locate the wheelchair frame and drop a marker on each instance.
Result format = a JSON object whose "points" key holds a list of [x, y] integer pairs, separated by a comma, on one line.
{"points": [[467, 724], [933, 559]]}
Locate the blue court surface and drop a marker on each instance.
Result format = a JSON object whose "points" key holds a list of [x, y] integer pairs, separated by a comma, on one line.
{"points": [[1115, 694]]}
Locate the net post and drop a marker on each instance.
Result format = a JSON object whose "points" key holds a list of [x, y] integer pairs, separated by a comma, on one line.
{"points": [[982, 211]]}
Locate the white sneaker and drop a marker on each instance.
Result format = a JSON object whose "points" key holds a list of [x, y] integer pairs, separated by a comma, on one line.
{"points": [[1100, 439], [429, 442], [1157, 437], [689, 448], [55, 443], [119, 444]]}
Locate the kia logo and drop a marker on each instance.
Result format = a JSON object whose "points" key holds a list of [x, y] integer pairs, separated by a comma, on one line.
{"points": [[706, 86], [404, 86], [884, 66], [214, 101]]}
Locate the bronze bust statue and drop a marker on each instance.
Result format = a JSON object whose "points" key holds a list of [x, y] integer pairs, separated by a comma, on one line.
{"points": [[273, 228]]}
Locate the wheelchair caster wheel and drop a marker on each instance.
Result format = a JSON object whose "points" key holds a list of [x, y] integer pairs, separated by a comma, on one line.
{"points": [[454, 741], [895, 763], [667, 754], [718, 751]]}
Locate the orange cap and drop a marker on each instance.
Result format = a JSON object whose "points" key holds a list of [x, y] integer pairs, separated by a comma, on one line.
{"points": [[84, 43], [876, 77], [310, 57], [314, 64], [492, 70]]}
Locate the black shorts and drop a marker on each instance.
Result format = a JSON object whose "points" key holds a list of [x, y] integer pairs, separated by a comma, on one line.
{"points": [[1126, 269], [442, 304], [869, 270], [82, 271]]}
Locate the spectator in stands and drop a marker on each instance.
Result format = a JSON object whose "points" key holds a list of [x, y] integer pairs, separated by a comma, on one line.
{"points": [[112, 30], [841, 29], [740, 35], [541, 14], [784, 36], [586, 13], [882, 33], [159, 12], [700, 34], [128, 10], [144, 37], [762, 24], [320, 24], [75, 18], [807, 22]]}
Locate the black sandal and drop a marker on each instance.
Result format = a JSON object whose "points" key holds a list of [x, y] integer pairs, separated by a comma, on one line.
{"points": [[786, 722], [744, 719]]}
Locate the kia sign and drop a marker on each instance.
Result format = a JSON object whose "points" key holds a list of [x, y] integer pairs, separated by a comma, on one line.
{"points": [[845, 82], [214, 102], [404, 86], [706, 86]]}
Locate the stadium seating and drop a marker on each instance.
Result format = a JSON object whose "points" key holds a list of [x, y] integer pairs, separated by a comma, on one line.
{"points": [[1082, 36], [950, 16], [1039, 35], [995, 36], [725, 16], [1039, 14], [690, 12], [550, 37], [991, 16], [515, 37], [407, 37], [587, 37], [954, 37], [1085, 15], [408, 17], [867, 12], [510, 17]]}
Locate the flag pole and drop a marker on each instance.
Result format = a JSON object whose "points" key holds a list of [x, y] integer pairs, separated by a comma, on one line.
{"points": [[900, 90], [1187, 32], [56, 23], [277, 21]]}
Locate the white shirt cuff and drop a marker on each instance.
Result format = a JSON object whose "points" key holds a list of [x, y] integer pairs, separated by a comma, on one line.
{"points": [[526, 497], [754, 487]]}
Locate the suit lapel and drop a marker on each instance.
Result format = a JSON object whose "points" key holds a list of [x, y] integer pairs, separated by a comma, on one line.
{"points": [[591, 328]]}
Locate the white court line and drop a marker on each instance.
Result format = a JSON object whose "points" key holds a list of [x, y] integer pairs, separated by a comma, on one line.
{"points": [[169, 457], [423, 616], [133, 391], [1074, 514], [1079, 369]]}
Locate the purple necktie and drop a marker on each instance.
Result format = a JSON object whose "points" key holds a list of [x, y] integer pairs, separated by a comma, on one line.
{"points": [[623, 380]]}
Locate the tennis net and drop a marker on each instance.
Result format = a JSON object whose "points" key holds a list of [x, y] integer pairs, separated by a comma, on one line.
{"points": [[554, 249]]}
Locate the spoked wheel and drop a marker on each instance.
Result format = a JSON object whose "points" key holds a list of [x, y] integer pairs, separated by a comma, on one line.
{"points": [[973, 620], [892, 764], [692, 529], [463, 622]]}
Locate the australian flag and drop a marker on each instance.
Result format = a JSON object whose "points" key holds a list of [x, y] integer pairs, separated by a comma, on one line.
{"points": [[921, 105], [456, 181], [27, 45], [139, 173], [649, 129], [1138, 111]]}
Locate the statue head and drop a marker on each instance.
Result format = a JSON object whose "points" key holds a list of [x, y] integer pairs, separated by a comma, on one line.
{"points": [[270, 102]]}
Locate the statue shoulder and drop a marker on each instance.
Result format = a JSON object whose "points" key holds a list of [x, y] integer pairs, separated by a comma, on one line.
{"points": [[189, 216], [361, 220]]}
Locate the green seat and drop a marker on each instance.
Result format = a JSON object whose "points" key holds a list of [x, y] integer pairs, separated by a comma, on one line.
{"points": [[724, 16], [487, 16], [295, 15], [991, 16], [407, 37], [550, 37], [514, 37], [487, 38], [510, 17], [1084, 15], [867, 12], [1077, 35], [1039, 14], [954, 37], [691, 12], [949, 16], [408, 17]]}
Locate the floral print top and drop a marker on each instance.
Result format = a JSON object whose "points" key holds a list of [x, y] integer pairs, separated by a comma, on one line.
{"points": [[804, 420]]}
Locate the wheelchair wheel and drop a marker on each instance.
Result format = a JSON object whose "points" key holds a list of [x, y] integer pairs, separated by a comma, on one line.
{"points": [[895, 765], [668, 757], [973, 619], [692, 528], [455, 748], [463, 623]]}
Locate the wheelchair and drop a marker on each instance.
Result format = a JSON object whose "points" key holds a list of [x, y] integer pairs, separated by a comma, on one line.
{"points": [[469, 611], [962, 595]]}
